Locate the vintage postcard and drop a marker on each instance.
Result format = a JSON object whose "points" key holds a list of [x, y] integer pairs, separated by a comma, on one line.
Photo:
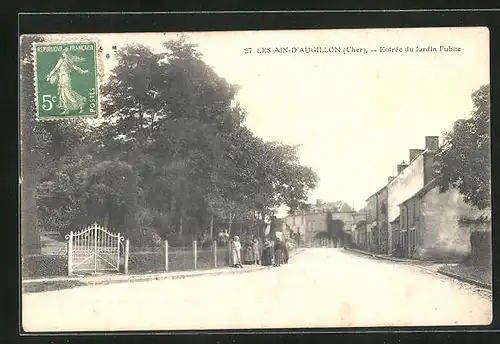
{"points": [[255, 180]]}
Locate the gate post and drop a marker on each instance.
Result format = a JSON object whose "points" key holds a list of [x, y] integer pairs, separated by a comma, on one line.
{"points": [[117, 251], [95, 248], [215, 253], [166, 255], [194, 253], [70, 254], [125, 258]]}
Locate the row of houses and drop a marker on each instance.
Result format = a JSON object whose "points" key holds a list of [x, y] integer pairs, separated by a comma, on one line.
{"points": [[309, 223], [409, 217]]}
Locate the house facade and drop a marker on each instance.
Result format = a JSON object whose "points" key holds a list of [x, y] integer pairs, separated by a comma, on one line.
{"points": [[309, 224], [432, 226], [305, 224], [376, 221], [358, 229], [411, 178], [411, 218]]}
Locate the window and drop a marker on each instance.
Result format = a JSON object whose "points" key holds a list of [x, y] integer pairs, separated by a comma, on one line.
{"points": [[383, 208]]}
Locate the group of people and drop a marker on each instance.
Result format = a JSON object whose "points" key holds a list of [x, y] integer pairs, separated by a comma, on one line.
{"points": [[274, 253]]}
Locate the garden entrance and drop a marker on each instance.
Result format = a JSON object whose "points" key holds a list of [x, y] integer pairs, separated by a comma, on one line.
{"points": [[93, 250]]}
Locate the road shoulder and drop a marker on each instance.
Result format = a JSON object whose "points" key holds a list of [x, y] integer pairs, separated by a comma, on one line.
{"points": [[58, 283], [451, 270]]}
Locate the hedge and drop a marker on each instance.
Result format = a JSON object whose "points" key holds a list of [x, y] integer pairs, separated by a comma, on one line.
{"points": [[44, 266], [480, 248]]}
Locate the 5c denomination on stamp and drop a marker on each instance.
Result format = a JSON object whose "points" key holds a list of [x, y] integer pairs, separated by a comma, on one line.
{"points": [[66, 80]]}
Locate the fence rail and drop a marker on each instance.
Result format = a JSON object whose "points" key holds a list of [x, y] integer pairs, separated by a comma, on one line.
{"points": [[146, 260]]}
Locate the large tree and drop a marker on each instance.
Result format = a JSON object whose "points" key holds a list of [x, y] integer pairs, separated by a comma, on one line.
{"points": [[171, 157], [464, 161]]}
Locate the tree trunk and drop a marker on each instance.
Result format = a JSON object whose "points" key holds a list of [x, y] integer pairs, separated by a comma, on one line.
{"points": [[30, 232], [230, 225], [262, 225], [106, 219], [181, 225], [212, 226]]}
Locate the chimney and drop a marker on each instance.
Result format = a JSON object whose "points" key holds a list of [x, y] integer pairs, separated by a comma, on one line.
{"points": [[401, 167], [319, 202], [390, 179], [432, 143], [414, 153]]}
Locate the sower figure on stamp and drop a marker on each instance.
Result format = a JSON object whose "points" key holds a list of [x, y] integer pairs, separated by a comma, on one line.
{"points": [[69, 99]]}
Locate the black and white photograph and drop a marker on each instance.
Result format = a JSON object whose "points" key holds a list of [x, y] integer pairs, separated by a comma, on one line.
{"points": [[280, 179]]}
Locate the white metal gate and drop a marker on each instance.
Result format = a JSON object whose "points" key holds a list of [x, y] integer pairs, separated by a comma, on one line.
{"points": [[93, 249]]}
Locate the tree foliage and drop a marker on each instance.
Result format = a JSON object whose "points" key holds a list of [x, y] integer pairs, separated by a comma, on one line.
{"points": [[171, 156], [335, 227], [464, 161]]}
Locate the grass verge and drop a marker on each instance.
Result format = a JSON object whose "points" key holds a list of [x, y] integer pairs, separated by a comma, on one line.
{"points": [[481, 274]]}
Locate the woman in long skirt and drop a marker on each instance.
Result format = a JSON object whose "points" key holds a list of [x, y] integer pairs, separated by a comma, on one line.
{"points": [[267, 254], [236, 252], [248, 253]]}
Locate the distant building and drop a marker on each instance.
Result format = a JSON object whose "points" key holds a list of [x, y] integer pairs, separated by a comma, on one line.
{"points": [[376, 221], [309, 223], [359, 229], [339, 206]]}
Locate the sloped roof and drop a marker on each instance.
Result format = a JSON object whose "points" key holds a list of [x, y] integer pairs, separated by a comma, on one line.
{"points": [[335, 206], [428, 187], [396, 219], [376, 193]]}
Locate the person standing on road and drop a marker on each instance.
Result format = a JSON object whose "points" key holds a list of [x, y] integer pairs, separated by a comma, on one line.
{"points": [[236, 250], [267, 256], [248, 258], [285, 252], [278, 247], [255, 251]]}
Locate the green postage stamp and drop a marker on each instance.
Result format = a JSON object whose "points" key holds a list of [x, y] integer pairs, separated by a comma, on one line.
{"points": [[66, 80]]}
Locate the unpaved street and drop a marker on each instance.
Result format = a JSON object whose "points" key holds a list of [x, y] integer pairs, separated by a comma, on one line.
{"points": [[319, 288]]}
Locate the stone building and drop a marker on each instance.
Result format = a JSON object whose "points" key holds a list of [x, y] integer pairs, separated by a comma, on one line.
{"points": [[411, 178], [376, 221], [309, 224], [432, 224], [358, 229]]}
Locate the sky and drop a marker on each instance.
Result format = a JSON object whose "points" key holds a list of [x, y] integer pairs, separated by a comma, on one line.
{"points": [[355, 115]]}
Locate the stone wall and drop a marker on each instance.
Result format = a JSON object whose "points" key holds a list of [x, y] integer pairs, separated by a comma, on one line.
{"points": [[441, 234], [480, 245]]}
